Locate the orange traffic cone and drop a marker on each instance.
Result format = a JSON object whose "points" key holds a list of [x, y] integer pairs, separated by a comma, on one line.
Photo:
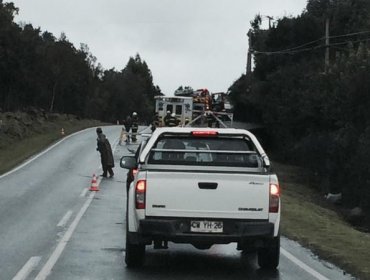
{"points": [[94, 184]]}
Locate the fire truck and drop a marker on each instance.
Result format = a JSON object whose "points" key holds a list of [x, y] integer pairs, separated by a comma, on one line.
{"points": [[196, 107]]}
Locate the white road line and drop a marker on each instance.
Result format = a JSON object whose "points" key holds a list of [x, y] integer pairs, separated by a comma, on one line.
{"points": [[45, 271], [65, 219], [302, 265], [27, 268], [83, 193]]}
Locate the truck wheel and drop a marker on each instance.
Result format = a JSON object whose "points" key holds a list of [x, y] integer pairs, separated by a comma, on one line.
{"points": [[268, 257], [135, 254]]}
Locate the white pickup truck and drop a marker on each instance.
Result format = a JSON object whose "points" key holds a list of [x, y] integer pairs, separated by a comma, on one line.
{"points": [[202, 186]]}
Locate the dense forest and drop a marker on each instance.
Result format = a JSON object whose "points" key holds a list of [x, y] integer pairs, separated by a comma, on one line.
{"points": [[40, 71], [315, 115]]}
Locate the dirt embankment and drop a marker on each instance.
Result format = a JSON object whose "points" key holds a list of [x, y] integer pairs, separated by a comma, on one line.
{"points": [[17, 126], [23, 134]]}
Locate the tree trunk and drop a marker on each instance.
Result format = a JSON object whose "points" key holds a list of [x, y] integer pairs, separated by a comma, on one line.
{"points": [[53, 98]]}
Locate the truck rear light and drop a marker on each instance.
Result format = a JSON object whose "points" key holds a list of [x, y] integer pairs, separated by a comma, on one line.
{"points": [[140, 190], [205, 133], [274, 189], [274, 198]]}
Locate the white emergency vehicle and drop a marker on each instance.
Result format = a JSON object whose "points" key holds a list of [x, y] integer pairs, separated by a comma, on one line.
{"points": [[181, 106]]}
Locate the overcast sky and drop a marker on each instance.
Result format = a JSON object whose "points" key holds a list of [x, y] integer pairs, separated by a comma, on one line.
{"points": [[200, 43]]}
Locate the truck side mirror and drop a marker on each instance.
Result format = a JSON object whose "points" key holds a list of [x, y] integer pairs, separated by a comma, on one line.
{"points": [[266, 162], [128, 162]]}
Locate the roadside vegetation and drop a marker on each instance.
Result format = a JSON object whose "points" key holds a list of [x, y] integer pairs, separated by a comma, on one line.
{"points": [[310, 220]]}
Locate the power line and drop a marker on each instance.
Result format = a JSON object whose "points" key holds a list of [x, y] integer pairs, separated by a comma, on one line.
{"points": [[298, 49], [314, 48], [346, 42], [350, 34], [290, 49]]}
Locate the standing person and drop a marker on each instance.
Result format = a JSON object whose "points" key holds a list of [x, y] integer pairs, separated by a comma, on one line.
{"points": [[209, 120], [155, 121], [106, 155], [135, 126], [128, 124], [173, 120], [166, 118]]}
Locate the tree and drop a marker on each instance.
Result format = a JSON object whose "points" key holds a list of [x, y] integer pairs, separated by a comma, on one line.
{"points": [[9, 42]]}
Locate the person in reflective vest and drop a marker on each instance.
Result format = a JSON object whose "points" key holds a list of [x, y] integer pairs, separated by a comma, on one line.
{"points": [[155, 121], [173, 120], [135, 126], [166, 118], [210, 120], [128, 124]]}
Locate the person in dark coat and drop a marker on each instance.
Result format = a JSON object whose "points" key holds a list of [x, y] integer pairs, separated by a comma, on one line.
{"points": [[106, 155]]}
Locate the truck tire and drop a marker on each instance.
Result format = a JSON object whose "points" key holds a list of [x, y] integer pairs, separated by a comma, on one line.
{"points": [[135, 254], [268, 257]]}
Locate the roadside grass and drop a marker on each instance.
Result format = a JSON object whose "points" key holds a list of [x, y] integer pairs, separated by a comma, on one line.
{"points": [[18, 151], [306, 220]]}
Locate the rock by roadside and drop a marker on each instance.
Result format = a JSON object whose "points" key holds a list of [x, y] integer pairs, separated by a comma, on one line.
{"points": [[25, 133], [16, 126]]}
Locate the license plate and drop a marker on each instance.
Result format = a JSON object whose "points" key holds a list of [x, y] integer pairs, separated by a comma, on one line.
{"points": [[206, 226]]}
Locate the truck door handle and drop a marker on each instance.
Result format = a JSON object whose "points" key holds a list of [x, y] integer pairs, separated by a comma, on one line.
{"points": [[207, 186]]}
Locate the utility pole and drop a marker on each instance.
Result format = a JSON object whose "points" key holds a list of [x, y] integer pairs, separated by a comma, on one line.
{"points": [[270, 19], [327, 43], [249, 58]]}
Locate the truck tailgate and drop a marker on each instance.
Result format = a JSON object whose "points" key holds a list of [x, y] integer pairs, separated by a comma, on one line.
{"points": [[209, 195]]}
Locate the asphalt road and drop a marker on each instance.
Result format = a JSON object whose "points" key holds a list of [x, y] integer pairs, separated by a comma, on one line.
{"points": [[52, 227]]}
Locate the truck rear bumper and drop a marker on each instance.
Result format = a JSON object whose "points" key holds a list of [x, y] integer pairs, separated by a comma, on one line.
{"points": [[178, 231]]}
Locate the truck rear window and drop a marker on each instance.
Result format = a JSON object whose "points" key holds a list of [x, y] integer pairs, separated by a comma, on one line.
{"points": [[210, 151]]}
